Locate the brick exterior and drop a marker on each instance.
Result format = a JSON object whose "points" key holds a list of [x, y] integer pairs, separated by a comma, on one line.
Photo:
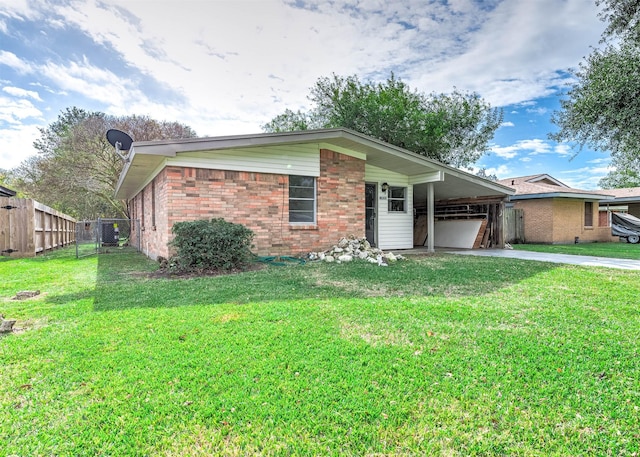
{"points": [[560, 221], [259, 201]]}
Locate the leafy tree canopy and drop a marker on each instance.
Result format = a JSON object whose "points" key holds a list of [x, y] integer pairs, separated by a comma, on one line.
{"points": [[602, 108], [453, 128], [623, 17], [76, 169]]}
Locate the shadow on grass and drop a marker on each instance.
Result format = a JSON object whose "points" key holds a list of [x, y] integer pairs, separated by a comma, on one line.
{"points": [[125, 281]]}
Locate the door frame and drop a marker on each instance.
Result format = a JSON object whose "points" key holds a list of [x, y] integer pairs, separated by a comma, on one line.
{"points": [[373, 232]]}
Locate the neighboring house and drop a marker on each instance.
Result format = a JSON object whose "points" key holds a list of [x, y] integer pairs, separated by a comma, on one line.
{"points": [[626, 200], [301, 191], [556, 213]]}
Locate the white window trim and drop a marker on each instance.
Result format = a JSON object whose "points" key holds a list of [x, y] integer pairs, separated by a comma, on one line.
{"points": [[315, 201], [390, 199]]}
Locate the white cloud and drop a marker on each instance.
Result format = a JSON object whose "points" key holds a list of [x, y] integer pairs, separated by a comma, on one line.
{"points": [[15, 111], [600, 161], [22, 93], [21, 9], [11, 60], [230, 66], [507, 124], [220, 55], [501, 172], [535, 146], [584, 177], [517, 53], [539, 111], [563, 150], [505, 152], [92, 82], [14, 149], [531, 147]]}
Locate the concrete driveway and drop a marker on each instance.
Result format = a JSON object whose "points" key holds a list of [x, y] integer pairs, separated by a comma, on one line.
{"points": [[587, 261]]}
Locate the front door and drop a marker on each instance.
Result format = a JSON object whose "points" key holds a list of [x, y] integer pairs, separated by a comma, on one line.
{"points": [[371, 198]]}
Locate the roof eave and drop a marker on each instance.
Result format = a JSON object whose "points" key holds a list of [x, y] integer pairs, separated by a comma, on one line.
{"points": [[560, 195]]}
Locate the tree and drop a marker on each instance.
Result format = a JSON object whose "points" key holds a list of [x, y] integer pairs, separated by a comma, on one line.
{"points": [[602, 108], [453, 128], [623, 17], [76, 170], [627, 173], [483, 173]]}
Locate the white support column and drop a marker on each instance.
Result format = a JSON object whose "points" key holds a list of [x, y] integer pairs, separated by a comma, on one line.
{"points": [[430, 218]]}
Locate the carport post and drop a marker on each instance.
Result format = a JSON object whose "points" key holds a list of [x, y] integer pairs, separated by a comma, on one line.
{"points": [[430, 218]]}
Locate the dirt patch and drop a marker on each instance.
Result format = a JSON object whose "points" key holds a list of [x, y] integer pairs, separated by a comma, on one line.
{"points": [[167, 273], [22, 326], [374, 336]]}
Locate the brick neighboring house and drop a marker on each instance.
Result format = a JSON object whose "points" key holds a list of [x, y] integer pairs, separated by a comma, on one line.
{"points": [[555, 213], [297, 191]]}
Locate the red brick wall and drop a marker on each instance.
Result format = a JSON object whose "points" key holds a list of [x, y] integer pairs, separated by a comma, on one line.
{"points": [[152, 229], [259, 201]]}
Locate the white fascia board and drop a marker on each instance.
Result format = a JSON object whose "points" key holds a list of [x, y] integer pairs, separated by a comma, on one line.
{"points": [[622, 200], [125, 171], [172, 147], [547, 177], [434, 176]]}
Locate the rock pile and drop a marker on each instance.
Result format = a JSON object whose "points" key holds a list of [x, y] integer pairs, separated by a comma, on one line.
{"points": [[353, 248]]}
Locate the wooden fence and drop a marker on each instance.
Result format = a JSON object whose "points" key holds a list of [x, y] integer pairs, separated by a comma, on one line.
{"points": [[514, 225], [28, 228]]}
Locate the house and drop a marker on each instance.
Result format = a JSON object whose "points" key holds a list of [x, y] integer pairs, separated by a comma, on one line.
{"points": [[303, 191], [555, 213]]}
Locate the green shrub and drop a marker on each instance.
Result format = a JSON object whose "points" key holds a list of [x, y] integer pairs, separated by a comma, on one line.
{"points": [[211, 245]]}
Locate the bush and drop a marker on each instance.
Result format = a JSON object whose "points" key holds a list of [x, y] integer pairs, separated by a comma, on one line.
{"points": [[211, 245]]}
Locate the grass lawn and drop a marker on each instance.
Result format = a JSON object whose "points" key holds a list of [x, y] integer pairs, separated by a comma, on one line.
{"points": [[614, 250], [438, 355]]}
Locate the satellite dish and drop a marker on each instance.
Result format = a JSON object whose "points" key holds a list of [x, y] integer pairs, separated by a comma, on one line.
{"points": [[121, 141]]}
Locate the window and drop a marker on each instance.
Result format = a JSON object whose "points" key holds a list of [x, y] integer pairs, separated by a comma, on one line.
{"points": [[302, 199], [397, 199], [588, 214]]}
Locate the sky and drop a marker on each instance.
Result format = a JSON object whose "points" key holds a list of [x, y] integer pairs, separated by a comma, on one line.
{"points": [[228, 67]]}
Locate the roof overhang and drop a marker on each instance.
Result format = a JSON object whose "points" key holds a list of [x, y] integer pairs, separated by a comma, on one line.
{"points": [[147, 157], [579, 195], [621, 200], [6, 192]]}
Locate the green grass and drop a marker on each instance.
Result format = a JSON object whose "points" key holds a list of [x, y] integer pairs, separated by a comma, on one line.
{"points": [[614, 250], [439, 355]]}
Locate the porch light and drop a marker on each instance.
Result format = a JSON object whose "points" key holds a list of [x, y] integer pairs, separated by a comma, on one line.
{"points": [[384, 187]]}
